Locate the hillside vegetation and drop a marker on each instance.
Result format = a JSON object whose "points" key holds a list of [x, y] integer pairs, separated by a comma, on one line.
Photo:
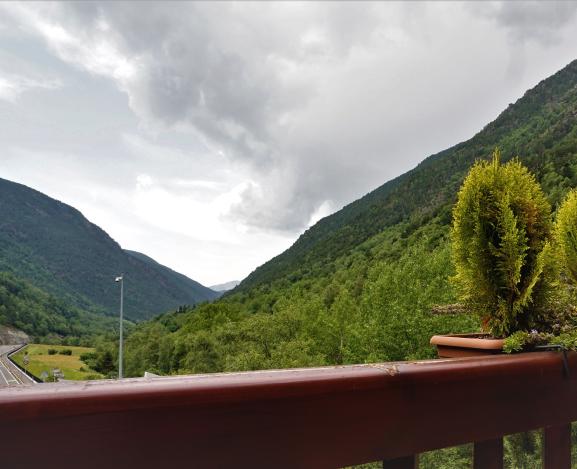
{"points": [[359, 285], [52, 246], [43, 316]]}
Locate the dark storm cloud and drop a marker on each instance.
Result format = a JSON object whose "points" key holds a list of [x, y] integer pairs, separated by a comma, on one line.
{"points": [[184, 74], [534, 20]]}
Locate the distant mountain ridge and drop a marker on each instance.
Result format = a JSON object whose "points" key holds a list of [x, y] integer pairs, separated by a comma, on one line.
{"points": [[54, 247], [222, 287]]}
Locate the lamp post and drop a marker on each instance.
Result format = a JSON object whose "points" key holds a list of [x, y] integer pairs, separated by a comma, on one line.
{"points": [[121, 280]]}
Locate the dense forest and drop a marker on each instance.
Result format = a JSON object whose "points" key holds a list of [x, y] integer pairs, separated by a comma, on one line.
{"points": [[360, 314]]}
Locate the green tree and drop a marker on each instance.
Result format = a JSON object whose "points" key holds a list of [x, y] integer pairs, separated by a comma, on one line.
{"points": [[566, 236], [501, 232], [105, 363]]}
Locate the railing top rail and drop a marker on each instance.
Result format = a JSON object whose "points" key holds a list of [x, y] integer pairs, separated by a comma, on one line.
{"points": [[321, 417]]}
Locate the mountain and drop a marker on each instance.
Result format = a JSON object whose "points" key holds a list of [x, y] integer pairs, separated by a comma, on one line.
{"points": [[54, 247], [222, 287], [199, 292], [540, 128], [358, 286]]}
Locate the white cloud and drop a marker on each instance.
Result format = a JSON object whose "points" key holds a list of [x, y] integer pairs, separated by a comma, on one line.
{"points": [[93, 49], [143, 181], [541, 22], [325, 209], [12, 86], [179, 228]]}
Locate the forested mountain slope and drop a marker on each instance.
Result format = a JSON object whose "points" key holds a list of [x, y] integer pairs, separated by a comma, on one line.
{"points": [[54, 247], [540, 128], [44, 317], [359, 285]]}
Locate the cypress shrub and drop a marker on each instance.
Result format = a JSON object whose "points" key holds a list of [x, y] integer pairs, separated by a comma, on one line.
{"points": [[566, 236], [500, 241]]}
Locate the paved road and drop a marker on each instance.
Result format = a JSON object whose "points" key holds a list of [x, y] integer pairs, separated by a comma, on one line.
{"points": [[10, 375]]}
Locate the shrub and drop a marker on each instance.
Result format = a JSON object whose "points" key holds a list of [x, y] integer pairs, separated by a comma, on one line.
{"points": [[65, 351], [500, 238], [87, 356], [91, 377], [566, 236], [52, 351], [90, 358]]}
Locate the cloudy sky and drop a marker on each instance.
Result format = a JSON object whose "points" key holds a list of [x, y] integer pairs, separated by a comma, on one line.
{"points": [[210, 135]]}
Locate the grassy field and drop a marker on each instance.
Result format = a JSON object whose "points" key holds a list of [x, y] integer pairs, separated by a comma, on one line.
{"points": [[71, 365]]}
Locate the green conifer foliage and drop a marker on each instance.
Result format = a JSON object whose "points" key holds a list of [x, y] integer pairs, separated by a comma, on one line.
{"points": [[566, 236], [500, 237]]}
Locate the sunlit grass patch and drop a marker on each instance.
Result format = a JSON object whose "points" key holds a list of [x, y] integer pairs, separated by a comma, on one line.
{"points": [[40, 360]]}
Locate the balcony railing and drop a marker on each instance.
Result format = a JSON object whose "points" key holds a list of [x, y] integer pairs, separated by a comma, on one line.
{"points": [[305, 418]]}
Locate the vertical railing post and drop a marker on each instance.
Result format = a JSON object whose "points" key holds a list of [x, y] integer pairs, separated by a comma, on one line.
{"points": [[557, 447], [488, 454], [406, 462]]}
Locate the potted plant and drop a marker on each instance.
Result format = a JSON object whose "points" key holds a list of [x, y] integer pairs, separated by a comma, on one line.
{"points": [[501, 246]]}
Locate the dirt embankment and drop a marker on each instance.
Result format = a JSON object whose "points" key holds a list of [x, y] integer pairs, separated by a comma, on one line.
{"points": [[12, 336]]}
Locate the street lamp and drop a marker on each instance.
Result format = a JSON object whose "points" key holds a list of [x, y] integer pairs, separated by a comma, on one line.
{"points": [[121, 280]]}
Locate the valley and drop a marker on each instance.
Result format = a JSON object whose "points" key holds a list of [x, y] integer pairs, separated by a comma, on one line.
{"points": [[359, 285], [231, 232]]}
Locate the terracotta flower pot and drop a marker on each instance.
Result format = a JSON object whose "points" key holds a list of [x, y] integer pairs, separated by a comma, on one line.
{"points": [[466, 345]]}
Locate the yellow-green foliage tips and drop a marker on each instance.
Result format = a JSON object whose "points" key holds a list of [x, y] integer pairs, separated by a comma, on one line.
{"points": [[566, 235], [500, 236], [516, 342], [71, 366]]}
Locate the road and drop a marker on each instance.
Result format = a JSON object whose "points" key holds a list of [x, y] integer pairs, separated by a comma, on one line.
{"points": [[10, 375]]}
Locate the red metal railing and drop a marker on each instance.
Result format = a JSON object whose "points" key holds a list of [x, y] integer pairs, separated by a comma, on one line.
{"points": [[325, 417]]}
